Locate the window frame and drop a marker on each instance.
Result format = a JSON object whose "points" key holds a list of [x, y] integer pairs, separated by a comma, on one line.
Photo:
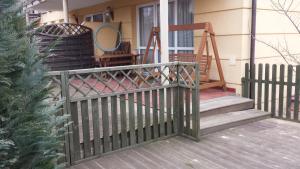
{"points": [[92, 16]]}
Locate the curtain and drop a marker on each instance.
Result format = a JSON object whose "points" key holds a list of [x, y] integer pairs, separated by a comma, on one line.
{"points": [[185, 15], [146, 23]]}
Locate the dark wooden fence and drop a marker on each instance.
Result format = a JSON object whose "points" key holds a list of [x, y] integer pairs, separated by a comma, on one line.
{"points": [[274, 89], [120, 107], [67, 46]]}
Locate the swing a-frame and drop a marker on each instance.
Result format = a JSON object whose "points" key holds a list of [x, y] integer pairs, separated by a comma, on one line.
{"points": [[203, 58]]}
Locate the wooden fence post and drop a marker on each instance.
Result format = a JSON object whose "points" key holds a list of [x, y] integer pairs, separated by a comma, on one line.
{"points": [[274, 84], [267, 82], [281, 91], [245, 81], [297, 93], [289, 91], [259, 86], [69, 149], [252, 82], [195, 102]]}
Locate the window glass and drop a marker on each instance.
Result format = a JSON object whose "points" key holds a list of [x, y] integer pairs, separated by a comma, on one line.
{"points": [[185, 16], [88, 18], [98, 18]]}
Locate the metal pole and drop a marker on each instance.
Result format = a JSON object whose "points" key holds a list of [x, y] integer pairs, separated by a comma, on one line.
{"points": [[252, 47]]}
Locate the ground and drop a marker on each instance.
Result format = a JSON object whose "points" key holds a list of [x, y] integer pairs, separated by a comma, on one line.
{"points": [[267, 144]]}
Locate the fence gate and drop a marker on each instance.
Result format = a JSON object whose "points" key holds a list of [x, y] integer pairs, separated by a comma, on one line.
{"points": [[119, 107]]}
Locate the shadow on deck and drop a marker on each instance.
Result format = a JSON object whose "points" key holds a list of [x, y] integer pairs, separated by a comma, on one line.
{"points": [[266, 144]]}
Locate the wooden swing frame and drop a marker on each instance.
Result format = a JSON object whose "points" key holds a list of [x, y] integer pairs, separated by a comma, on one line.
{"points": [[205, 82]]}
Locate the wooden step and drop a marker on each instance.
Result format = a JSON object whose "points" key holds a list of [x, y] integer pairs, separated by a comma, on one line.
{"points": [[224, 105], [211, 124]]}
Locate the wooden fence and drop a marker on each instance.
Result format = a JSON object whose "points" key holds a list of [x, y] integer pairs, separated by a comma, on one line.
{"points": [[120, 107], [276, 90]]}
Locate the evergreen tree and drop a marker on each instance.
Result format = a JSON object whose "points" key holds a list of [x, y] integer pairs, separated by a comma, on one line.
{"points": [[29, 133]]}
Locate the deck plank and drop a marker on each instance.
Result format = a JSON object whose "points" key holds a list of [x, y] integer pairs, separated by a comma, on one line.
{"points": [[267, 144]]}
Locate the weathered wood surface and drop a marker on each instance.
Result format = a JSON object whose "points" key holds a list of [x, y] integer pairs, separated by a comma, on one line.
{"points": [[211, 124], [224, 105], [266, 144]]}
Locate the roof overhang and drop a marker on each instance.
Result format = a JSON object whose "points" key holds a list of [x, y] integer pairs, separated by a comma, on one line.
{"points": [[56, 5]]}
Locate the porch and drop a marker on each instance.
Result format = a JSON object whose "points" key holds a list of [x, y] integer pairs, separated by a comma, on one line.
{"points": [[267, 144]]}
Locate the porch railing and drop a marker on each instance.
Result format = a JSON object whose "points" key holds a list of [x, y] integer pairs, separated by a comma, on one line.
{"points": [[274, 92], [120, 107]]}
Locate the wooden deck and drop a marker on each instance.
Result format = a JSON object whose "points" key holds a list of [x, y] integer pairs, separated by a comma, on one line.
{"points": [[267, 144]]}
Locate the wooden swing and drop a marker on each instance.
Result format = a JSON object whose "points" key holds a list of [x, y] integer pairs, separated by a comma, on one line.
{"points": [[204, 60]]}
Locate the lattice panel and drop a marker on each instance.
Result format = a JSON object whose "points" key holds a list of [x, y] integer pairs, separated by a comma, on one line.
{"points": [[64, 30], [187, 75], [117, 81], [105, 81]]}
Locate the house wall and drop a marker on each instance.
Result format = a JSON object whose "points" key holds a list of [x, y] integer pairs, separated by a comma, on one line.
{"points": [[275, 28], [231, 20], [54, 17]]}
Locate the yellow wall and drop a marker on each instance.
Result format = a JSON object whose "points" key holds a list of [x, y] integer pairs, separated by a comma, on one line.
{"points": [[54, 17], [227, 18]]}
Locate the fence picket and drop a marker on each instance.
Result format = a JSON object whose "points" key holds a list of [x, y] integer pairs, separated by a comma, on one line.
{"points": [[140, 118], [188, 111], [96, 126], [252, 83], [147, 115], [162, 112], [131, 118], [180, 109], [297, 93], [281, 91], [273, 99], [267, 84], [124, 141], [85, 128], [246, 82], [194, 112], [105, 123], [259, 86], [169, 110], [289, 91], [114, 123], [76, 138], [155, 114], [175, 109]]}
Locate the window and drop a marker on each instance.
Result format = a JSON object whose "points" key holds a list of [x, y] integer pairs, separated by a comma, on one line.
{"points": [[180, 12], [95, 18]]}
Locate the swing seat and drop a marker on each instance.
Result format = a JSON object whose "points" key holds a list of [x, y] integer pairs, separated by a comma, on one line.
{"points": [[204, 65]]}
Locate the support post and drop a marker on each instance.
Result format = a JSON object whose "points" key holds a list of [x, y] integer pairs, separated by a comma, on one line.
{"points": [[65, 11], [66, 111], [164, 28]]}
